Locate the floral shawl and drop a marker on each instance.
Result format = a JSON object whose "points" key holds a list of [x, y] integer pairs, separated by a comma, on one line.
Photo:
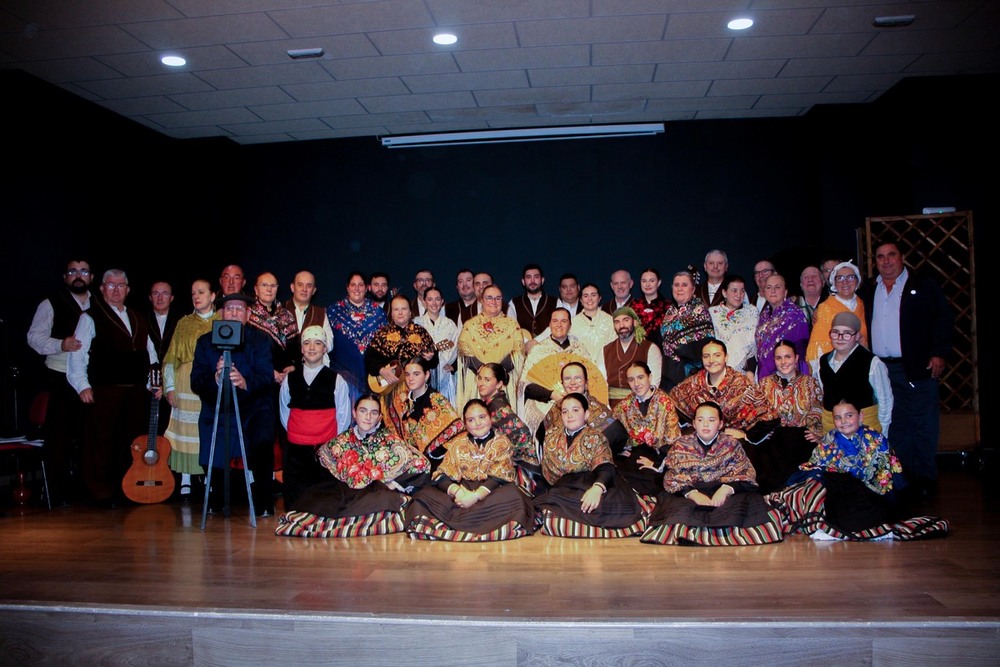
{"points": [[788, 322], [658, 427], [866, 455], [380, 457], [692, 465], [685, 324]]}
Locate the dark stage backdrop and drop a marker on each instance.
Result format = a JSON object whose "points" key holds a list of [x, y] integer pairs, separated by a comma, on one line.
{"points": [[88, 183]]}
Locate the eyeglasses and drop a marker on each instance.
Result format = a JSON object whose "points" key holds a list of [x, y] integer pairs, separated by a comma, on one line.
{"points": [[424, 280], [268, 285], [234, 306], [493, 298], [763, 272], [846, 279], [116, 285], [842, 335], [78, 272]]}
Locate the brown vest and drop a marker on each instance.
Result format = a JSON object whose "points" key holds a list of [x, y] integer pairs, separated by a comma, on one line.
{"points": [[617, 362]]}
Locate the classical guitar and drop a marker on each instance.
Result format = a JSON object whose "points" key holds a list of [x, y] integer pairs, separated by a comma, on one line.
{"points": [[380, 385], [149, 479]]}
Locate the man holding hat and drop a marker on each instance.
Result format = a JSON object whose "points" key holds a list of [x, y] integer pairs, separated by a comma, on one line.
{"points": [[315, 407], [632, 345], [853, 373], [252, 376]]}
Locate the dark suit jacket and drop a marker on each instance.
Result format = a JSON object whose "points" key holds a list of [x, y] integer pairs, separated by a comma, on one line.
{"points": [[926, 322], [257, 417], [702, 293], [611, 305]]}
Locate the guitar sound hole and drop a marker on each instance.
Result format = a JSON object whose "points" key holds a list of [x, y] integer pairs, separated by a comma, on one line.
{"points": [[151, 457]]}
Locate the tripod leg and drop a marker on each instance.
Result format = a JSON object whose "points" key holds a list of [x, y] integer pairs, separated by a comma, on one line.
{"points": [[211, 453], [243, 454]]}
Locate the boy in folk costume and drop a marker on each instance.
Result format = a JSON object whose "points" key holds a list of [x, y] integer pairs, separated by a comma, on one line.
{"points": [[315, 407]]}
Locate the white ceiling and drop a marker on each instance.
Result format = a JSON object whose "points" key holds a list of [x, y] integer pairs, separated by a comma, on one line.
{"points": [[517, 63]]}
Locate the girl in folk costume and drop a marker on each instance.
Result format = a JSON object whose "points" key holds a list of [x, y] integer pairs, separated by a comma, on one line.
{"points": [[710, 492], [650, 420], [745, 413], [418, 414], [798, 401], [313, 404], [373, 473], [735, 324], [490, 382], [473, 496], [444, 332], [848, 487], [586, 497]]}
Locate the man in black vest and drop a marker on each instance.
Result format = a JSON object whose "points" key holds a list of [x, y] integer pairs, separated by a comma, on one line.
{"points": [[467, 305], [52, 335], [533, 309], [161, 320], [110, 372]]}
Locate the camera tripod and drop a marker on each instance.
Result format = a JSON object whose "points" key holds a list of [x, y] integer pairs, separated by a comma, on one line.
{"points": [[226, 397]]}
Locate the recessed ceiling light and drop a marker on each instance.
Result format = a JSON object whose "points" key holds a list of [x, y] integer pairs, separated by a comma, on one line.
{"points": [[173, 61], [893, 21], [739, 24], [298, 54], [445, 38]]}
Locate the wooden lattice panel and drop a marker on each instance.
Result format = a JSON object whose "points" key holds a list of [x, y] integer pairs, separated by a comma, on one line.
{"points": [[940, 246]]}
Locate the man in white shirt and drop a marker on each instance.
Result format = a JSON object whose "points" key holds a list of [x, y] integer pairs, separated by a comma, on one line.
{"points": [[52, 335], [110, 373], [569, 294]]}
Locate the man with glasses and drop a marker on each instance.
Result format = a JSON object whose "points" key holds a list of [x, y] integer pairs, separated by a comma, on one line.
{"points": [[110, 373], [762, 270], [52, 335], [252, 376], [423, 281], [851, 372]]}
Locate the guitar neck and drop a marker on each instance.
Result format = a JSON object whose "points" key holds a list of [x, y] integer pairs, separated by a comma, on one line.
{"points": [[154, 410]]}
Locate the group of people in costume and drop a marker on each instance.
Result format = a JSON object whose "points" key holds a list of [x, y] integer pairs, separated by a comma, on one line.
{"points": [[717, 460], [483, 430]]}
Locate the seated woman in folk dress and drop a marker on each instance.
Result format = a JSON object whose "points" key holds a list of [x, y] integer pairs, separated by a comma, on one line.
{"points": [[710, 493], [373, 473], [849, 488], [473, 497], [586, 496], [649, 418], [491, 383], [419, 414]]}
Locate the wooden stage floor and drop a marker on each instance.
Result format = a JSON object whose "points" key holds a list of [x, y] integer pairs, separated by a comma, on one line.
{"points": [[146, 585]]}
